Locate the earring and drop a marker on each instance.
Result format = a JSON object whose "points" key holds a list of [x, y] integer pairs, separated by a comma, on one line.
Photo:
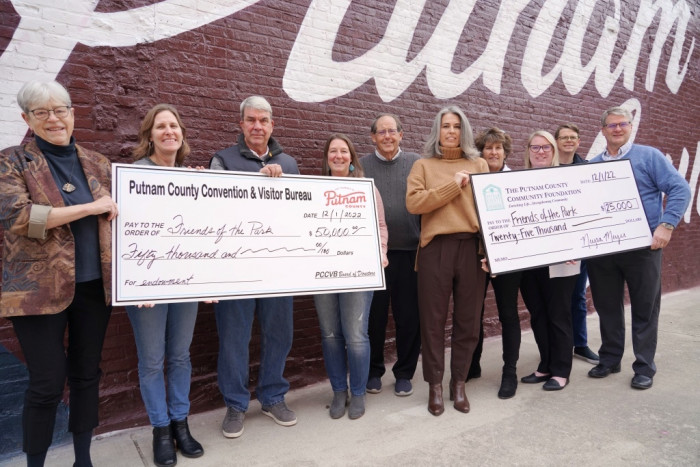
{"points": [[150, 147], [352, 168]]}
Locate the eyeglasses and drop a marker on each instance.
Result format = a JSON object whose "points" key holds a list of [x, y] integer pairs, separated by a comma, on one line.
{"points": [[568, 138], [43, 114], [535, 148], [390, 132], [622, 125]]}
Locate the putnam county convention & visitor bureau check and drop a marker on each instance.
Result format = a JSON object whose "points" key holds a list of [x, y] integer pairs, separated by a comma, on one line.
{"points": [[190, 235], [536, 217]]}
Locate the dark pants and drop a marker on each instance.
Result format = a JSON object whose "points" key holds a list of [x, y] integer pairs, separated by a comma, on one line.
{"points": [[579, 308], [49, 363], [475, 367], [505, 289], [549, 303], [402, 292], [641, 270], [449, 266]]}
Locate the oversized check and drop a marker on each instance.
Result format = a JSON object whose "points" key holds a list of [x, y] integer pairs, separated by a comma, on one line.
{"points": [[189, 235], [536, 217]]}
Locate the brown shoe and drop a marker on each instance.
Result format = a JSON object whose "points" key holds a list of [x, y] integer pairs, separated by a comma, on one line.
{"points": [[435, 404], [458, 395]]}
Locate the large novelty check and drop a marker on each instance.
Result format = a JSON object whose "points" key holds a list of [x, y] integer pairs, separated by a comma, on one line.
{"points": [[188, 235], [535, 217]]}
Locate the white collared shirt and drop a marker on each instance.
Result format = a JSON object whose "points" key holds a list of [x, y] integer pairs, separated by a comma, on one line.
{"points": [[621, 152], [267, 151], [382, 158]]}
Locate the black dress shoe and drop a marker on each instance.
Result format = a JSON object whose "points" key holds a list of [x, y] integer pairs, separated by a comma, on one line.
{"points": [[553, 385], [534, 379], [601, 371], [163, 447], [642, 382], [188, 446], [509, 383]]}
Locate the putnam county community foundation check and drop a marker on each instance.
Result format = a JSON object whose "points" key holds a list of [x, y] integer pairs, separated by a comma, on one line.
{"points": [[536, 217], [190, 235]]}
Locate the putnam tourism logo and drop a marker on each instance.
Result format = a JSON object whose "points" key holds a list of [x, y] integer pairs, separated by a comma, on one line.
{"points": [[493, 198], [347, 199]]}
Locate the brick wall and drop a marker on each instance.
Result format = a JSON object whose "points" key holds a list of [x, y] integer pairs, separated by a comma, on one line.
{"points": [[522, 72]]}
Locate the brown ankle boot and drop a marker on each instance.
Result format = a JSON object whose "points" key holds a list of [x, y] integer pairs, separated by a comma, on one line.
{"points": [[435, 404], [458, 394]]}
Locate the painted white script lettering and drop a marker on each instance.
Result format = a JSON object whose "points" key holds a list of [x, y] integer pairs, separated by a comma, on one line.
{"points": [[311, 59]]}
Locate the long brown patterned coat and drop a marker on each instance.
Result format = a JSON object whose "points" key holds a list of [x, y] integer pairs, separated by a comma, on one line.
{"points": [[38, 265]]}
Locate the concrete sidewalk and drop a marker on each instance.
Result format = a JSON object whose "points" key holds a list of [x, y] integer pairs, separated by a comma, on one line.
{"points": [[591, 422]]}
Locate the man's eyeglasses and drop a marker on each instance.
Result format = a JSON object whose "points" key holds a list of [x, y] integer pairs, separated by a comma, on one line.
{"points": [[568, 138], [535, 148], [43, 114], [622, 125], [390, 132]]}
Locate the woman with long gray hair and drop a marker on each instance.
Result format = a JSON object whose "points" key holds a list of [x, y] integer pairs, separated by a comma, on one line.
{"points": [[448, 262]]}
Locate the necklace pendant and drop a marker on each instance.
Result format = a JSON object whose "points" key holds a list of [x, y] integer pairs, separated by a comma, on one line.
{"points": [[68, 187]]}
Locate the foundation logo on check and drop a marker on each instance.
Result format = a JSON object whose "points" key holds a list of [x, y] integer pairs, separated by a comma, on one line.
{"points": [[493, 198]]}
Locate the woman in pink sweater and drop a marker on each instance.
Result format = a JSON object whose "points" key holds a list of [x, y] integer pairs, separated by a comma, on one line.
{"points": [[344, 317]]}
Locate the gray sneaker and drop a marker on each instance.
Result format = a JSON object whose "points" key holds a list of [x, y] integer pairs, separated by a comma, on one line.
{"points": [[374, 385], [403, 387], [233, 423], [280, 413], [585, 353]]}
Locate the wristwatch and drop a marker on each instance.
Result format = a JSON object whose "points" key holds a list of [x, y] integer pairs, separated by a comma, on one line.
{"points": [[666, 225]]}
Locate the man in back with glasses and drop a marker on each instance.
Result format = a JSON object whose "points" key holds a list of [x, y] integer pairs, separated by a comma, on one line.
{"points": [[568, 139]]}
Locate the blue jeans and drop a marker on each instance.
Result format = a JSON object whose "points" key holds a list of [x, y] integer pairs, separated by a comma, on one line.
{"points": [[234, 321], [343, 319], [164, 334]]}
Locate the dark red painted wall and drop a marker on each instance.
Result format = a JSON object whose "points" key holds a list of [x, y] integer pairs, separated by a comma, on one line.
{"points": [[207, 71]]}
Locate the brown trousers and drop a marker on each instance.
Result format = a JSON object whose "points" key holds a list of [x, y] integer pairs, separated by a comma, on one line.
{"points": [[449, 265]]}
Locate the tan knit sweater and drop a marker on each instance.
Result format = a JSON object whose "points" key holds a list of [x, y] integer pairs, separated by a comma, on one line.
{"points": [[445, 208]]}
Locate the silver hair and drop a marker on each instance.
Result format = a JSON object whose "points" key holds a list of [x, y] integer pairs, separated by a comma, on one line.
{"points": [[257, 103], [373, 127], [432, 146], [35, 93], [550, 139], [615, 111]]}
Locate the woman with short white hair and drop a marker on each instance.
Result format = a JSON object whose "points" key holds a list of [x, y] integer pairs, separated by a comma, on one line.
{"points": [[55, 209]]}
